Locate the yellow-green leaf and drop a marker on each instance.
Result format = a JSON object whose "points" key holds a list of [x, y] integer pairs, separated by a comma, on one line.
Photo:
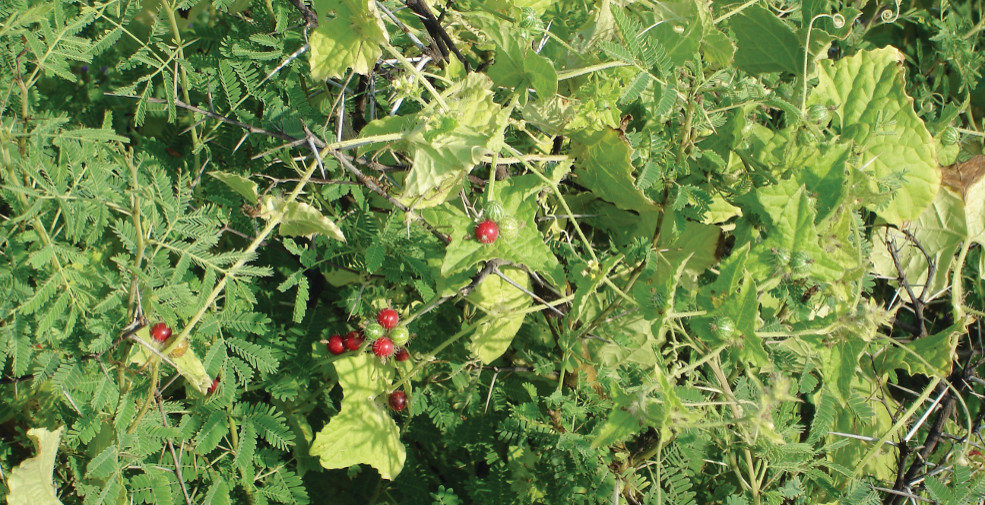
{"points": [[30, 482], [363, 431], [352, 39], [188, 365], [505, 303], [242, 185], [867, 95], [299, 219]]}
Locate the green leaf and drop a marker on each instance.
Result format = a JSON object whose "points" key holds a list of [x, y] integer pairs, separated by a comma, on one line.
{"points": [[697, 244], [445, 147], [299, 218], [352, 39], [603, 165], [242, 185], [765, 43], [619, 426], [867, 95], [939, 231], [679, 27], [362, 432], [717, 47], [30, 482], [744, 310], [938, 352], [505, 303], [517, 66], [586, 286]]}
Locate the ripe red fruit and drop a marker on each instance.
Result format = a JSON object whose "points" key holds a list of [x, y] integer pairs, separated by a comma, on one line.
{"points": [[398, 400], [401, 355], [486, 232], [335, 345], [160, 332], [353, 340], [383, 347], [214, 386], [388, 318]]}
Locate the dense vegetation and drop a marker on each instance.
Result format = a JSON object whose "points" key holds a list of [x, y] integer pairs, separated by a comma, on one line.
{"points": [[507, 251]]}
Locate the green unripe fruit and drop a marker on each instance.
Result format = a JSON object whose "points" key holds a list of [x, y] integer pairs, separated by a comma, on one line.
{"points": [[781, 257], [374, 331], [819, 114], [950, 136], [800, 262], [723, 327], [509, 227], [494, 211], [400, 335]]}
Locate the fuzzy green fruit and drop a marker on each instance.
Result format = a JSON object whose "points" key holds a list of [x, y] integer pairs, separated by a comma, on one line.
{"points": [[400, 335]]}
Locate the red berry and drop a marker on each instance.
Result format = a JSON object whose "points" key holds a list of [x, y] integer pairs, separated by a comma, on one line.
{"points": [[160, 332], [398, 400], [335, 345], [383, 347], [353, 340], [486, 232], [388, 318], [401, 355], [214, 386]]}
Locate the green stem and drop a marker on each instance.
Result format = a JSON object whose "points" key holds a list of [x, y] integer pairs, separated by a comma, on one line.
{"points": [[902, 420], [417, 73], [155, 370], [491, 187], [169, 11], [957, 283], [570, 74], [704, 359], [261, 237], [560, 197]]}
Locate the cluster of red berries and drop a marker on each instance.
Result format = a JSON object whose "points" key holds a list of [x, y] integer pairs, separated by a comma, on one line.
{"points": [[388, 338]]}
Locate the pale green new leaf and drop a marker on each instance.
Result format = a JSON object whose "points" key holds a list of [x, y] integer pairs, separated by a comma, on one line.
{"points": [[362, 432], [299, 218], [445, 147], [867, 95], [352, 39], [517, 66], [30, 482], [241, 185]]}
